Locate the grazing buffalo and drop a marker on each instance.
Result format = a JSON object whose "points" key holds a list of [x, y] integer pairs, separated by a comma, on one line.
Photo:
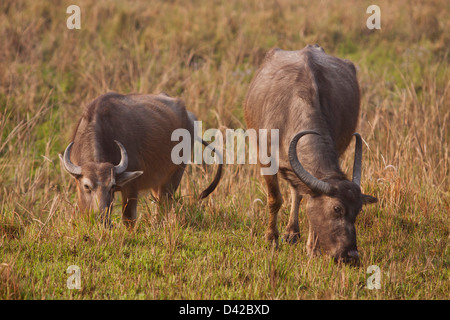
{"points": [[313, 100], [123, 143]]}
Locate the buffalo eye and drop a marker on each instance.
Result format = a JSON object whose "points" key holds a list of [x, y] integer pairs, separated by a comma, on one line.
{"points": [[337, 209], [87, 188]]}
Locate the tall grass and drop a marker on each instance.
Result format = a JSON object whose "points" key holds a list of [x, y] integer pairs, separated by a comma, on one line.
{"points": [[206, 52]]}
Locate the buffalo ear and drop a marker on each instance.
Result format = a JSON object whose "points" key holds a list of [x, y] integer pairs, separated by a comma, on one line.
{"points": [[368, 199], [126, 177]]}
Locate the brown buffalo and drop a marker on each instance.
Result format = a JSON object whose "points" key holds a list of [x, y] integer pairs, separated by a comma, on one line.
{"points": [[123, 143], [310, 94]]}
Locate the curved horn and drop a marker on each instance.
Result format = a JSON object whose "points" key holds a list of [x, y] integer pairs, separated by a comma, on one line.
{"points": [[122, 166], [310, 181], [358, 160], [68, 165]]}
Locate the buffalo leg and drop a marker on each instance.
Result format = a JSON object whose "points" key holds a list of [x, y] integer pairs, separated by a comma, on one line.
{"points": [[292, 233], [129, 206], [166, 192], [275, 200]]}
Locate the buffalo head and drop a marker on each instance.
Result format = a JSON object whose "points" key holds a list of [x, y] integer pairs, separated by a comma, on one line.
{"points": [[97, 181], [332, 207]]}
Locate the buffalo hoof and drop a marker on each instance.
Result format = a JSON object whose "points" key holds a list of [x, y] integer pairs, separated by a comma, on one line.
{"points": [[291, 237], [272, 239]]}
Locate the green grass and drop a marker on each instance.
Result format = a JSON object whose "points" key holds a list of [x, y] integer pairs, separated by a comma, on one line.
{"points": [[206, 53]]}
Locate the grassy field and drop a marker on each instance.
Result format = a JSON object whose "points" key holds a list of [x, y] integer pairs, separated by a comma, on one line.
{"points": [[206, 52]]}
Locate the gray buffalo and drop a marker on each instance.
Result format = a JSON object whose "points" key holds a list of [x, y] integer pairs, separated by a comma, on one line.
{"points": [[313, 99], [123, 143]]}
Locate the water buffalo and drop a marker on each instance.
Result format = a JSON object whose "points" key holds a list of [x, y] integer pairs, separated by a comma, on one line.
{"points": [[123, 143], [310, 94]]}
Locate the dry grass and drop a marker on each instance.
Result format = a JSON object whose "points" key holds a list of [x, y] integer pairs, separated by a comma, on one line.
{"points": [[206, 52]]}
